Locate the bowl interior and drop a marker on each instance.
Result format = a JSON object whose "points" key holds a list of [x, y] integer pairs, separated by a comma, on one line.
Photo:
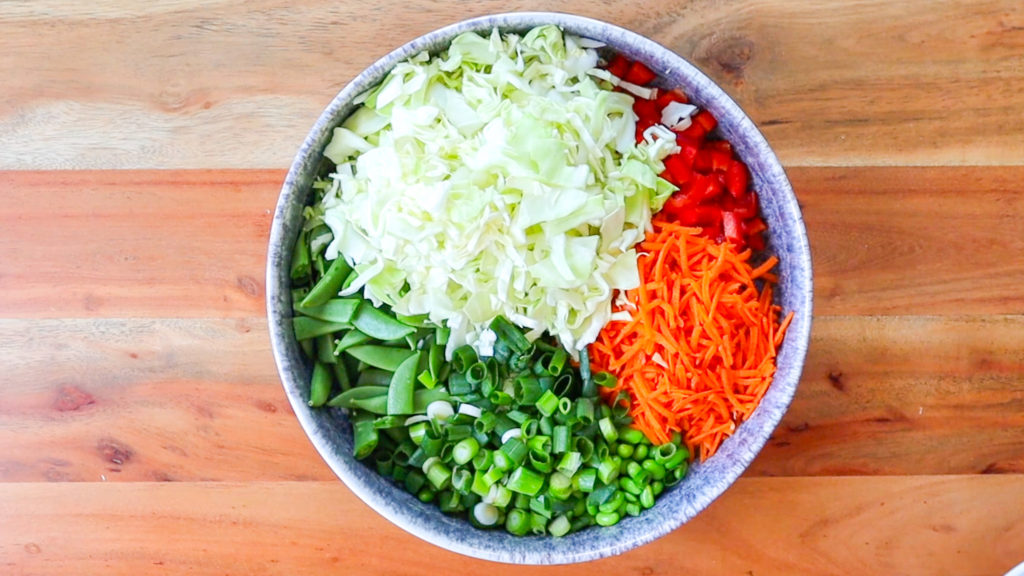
{"points": [[329, 430]]}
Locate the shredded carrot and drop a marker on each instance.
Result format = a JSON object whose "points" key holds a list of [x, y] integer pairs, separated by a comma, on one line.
{"points": [[699, 351]]}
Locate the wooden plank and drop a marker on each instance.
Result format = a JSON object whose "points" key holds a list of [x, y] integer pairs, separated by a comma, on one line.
{"points": [[812, 526], [905, 395], [132, 399], [82, 243], [915, 240], [237, 85], [933, 241], [201, 400]]}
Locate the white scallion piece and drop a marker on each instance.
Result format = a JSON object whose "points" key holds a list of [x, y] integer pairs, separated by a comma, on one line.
{"points": [[440, 410], [470, 410], [512, 433], [485, 514]]}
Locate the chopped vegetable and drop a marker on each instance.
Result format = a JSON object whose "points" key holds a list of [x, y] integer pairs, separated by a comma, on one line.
{"points": [[698, 352]]}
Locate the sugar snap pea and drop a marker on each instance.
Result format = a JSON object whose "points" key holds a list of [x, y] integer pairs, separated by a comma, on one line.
{"points": [[328, 285], [378, 324], [347, 398], [325, 349], [306, 327], [351, 338], [403, 381], [299, 271], [320, 384], [383, 357], [334, 310]]}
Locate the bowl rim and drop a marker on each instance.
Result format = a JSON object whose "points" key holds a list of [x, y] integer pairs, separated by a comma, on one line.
{"points": [[588, 544]]}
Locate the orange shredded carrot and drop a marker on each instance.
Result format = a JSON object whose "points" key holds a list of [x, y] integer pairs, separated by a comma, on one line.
{"points": [[698, 354]]}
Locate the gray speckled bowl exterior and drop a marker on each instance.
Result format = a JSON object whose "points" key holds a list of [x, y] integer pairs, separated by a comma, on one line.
{"points": [[330, 432]]}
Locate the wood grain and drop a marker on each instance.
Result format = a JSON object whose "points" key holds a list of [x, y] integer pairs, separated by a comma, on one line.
{"points": [[226, 84], [137, 400], [902, 240], [200, 399], [86, 243], [905, 395], [819, 526]]}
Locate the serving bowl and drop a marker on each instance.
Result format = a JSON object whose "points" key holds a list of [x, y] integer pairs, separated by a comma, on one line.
{"points": [[331, 433]]}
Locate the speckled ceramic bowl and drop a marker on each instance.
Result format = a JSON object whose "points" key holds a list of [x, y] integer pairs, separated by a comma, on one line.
{"points": [[330, 432]]}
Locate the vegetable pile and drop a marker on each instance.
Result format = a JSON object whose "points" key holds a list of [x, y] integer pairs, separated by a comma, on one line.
{"points": [[529, 283]]}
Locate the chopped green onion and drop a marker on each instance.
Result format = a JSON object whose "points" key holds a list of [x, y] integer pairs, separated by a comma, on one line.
{"points": [[608, 470], [525, 481], [608, 430], [560, 439], [485, 514], [547, 403], [462, 480], [517, 522], [559, 486], [560, 526]]}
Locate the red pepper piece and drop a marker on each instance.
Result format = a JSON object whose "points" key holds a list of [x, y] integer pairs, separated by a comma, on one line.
{"points": [[618, 65], [680, 172], [705, 120], [694, 132], [744, 206], [732, 227], [702, 188], [737, 179], [647, 110], [720, 159], [755, 242], [702, 161], [720, 145], [666, 97], [703, 215], [640, 74], [688, 149]]}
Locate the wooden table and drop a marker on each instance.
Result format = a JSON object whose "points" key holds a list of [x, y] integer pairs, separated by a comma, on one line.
{"points": [[143, 429]]}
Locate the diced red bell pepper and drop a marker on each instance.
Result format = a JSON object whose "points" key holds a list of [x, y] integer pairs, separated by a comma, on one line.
{"points": [[666, 97], [641, 126], [647, 110], [640, 74], [737, 179], [680, 172], [705, 120], [745, 206], [618, 65], [694, 132], [702, 188], [720, 145], [732, 227], [702, 161], [702, 215], [720, 159]]}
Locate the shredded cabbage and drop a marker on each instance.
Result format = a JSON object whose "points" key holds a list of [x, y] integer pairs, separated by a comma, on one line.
{"points": [[498, 178]]}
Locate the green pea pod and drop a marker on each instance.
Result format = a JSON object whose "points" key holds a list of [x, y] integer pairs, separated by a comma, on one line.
{"points": [[334, 310], [306, 327], [328, 285], [374, 377], [365, 437], [299, 271], [341, 375], [379, 324], [350, 339], [320, 384], [383, 357], [348, 398], [403, 382], [325, 349]]}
